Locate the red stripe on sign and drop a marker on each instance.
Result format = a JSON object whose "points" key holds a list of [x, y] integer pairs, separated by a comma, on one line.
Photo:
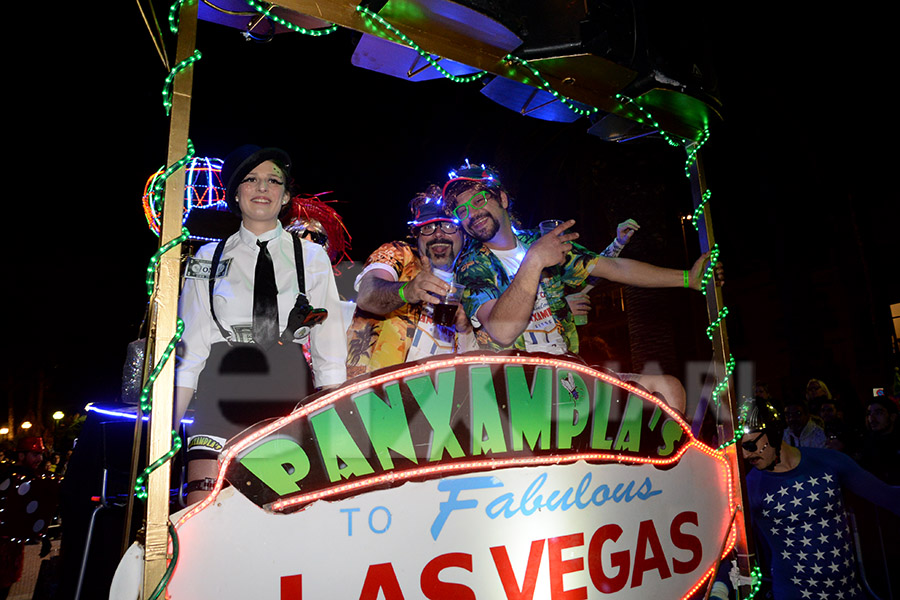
{"points": [[292, 587]]}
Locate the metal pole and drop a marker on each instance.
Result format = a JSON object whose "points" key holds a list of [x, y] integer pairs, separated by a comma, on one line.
{"points": [[164, 312], [721, 354]]}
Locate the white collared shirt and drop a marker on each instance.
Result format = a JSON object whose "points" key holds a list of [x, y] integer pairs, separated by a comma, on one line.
{"points": [[233, 298]]}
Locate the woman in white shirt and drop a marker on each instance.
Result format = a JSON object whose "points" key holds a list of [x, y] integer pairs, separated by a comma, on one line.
{"points": [[242, 359]]}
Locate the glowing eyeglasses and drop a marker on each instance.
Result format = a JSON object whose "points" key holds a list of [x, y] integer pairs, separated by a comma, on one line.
{"points": [[446, 227], [474, 203]]}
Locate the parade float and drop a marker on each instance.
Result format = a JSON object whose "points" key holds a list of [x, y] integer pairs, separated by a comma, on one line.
{"points": [[471, 476]]}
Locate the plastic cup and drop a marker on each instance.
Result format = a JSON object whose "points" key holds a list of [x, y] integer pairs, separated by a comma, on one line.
{"points": [[445, 310], [548, 225]]}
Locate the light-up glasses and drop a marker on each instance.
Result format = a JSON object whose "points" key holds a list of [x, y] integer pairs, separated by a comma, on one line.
{"points": [[446, 227], [474, 203]]}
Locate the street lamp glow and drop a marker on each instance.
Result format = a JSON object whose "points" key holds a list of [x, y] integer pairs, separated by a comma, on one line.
{"points": [[26, 424], [4, 430], [58, 415]]}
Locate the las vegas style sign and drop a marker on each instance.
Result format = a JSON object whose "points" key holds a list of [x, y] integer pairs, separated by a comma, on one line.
{"points": [[484, 476]]}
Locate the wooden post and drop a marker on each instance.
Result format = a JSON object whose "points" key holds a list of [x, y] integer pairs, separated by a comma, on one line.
{"points": [[164, 313], [721, 354]]}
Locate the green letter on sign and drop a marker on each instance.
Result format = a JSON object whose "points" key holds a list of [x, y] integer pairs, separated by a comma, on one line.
{"points": [[437, 406], [279, 463], [337, 445], [529, 415], [386, 425]]}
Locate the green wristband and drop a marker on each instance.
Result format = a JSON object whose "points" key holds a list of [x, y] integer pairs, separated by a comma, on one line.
{"points": [[687, 279], [400, 293]]}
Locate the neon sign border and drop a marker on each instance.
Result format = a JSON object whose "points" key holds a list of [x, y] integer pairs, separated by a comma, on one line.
{"points": [[330, 398]]}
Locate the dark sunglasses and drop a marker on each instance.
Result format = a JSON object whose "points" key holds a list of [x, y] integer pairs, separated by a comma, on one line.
{"points": [[315, 236], [750, 446]]}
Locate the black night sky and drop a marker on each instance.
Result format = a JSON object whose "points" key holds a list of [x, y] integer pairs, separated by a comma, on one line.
{"points": [[803, 212]]}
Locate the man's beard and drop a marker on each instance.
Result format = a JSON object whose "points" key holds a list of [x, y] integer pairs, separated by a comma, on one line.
{"points": [[488, 228], [444, 260]]}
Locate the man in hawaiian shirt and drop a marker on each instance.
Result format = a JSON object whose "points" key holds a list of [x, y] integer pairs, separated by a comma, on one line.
{"points": [[397, 289], [515, 279]]}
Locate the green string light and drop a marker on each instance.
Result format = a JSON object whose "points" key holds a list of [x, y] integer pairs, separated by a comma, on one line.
{"points": [[284, 23], [158, 190], [715, 324], [146, 403], [723, 385], [427, 56], [669, 139], [730, 442], [140, 491], [161, 586], [154, 260], [694, 149], [710, 270], [756, 576], [548, 88], [695, 218], [167, 87], [174, 10]]}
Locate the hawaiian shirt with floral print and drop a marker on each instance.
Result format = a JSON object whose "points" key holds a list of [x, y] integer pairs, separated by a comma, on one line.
{"points": [[376, 341], [486, 279]]}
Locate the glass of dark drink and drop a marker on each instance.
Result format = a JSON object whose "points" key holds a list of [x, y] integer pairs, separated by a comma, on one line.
{"points": [[445, 310]]}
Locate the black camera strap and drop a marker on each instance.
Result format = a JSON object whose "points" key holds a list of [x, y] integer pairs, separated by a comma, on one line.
{"points": [[214, 269]]}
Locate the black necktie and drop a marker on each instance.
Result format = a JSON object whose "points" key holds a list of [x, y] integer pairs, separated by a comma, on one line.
{"points": [[265, 299]]}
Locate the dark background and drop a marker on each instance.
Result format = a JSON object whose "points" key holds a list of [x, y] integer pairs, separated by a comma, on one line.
{"points": [[804, 210]]}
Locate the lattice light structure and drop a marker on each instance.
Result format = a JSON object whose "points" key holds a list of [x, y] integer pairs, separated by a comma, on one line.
{"points": [[203, 189]]}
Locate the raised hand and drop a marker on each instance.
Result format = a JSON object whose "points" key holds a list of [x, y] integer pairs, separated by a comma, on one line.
{"points": [[551, 249], [425, 287]]}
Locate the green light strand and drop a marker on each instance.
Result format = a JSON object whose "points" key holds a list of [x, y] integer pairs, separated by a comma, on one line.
{"points": [[756, 576], [427, 56], [730, 442], [146, 403], [154, 260], [715, 324], [548, 88], [313, 32], [173, 15], [694, 150], [669, 139], [161, 586], [723, 385], [695, 218], [140, 491], [710, 270], [167, 87], [159, 184]]}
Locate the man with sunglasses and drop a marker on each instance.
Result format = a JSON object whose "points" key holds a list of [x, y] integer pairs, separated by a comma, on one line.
{"points": [[797, 510], [397, 289]]}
